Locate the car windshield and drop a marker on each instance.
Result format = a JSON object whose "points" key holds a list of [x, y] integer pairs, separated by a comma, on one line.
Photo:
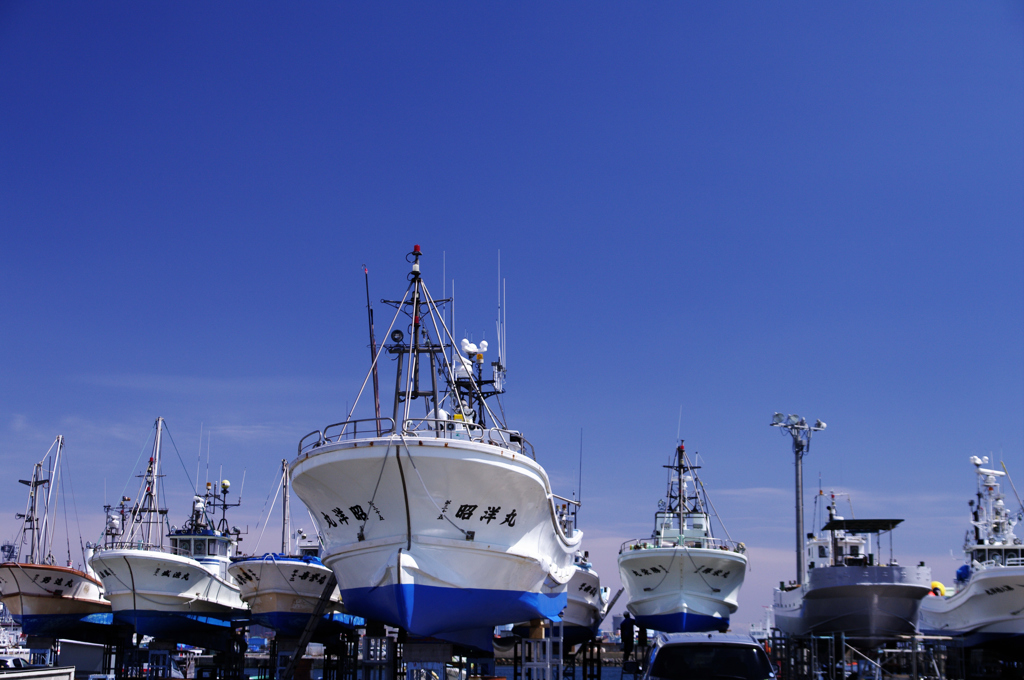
{"points": [[710, 662]]}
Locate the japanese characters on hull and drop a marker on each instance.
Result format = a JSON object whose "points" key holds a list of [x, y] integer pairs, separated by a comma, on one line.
{"points": [[442, 521], [430, 543], [53, 601], [682, 578], [983, 604], [172, 584]]}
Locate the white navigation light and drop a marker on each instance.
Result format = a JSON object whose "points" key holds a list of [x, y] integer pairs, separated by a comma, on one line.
{"points": [[777, 419], [820, 425]]}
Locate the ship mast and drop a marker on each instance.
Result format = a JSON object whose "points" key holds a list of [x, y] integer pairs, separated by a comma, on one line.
{"points": [[286, 525], [147, 516], [39, 533], [466, 390], [151, 500]]}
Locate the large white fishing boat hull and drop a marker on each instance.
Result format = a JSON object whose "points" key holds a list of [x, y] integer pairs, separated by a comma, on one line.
{"points": [[682, 590], [52, 601], [862, 602], [169, 596], [989, 608], [282, 593], [451, 535]]}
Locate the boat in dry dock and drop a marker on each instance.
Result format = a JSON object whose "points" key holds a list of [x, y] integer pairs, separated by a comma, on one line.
{"points": [[283, 589], [682, 578], [44, 598], [437, 519], [985, 605], [182, 592], [849, 589], [842, 585], [587, 603]]}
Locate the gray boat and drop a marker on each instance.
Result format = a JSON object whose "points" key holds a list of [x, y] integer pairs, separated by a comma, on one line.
{"points": [[849, 589]]}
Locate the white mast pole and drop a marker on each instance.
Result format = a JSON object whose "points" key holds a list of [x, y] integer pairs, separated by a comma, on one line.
{"points": [[286, 525]]}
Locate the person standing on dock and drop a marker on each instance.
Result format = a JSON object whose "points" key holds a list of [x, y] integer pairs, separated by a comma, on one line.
{"points": [[626, 632]]}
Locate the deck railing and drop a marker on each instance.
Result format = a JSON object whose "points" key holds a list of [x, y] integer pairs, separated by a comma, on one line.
{"points": [[683, 542], [434, 428]]}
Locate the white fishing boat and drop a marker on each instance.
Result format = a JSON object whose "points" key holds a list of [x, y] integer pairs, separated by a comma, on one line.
{"points": [[848, 589], [985, 605], [682, 578], [587, 604], [182, 593], [444, 521], [46, 599], [283, 589]]}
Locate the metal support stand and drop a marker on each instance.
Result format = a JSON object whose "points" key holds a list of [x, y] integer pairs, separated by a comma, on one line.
{"points": [[314, 619], [542, 653], [380, 658]]}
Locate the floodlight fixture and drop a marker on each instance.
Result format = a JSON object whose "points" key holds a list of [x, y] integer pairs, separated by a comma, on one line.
{"points": [[793, 419], [778, 418], [397, 336], [820, 425]]}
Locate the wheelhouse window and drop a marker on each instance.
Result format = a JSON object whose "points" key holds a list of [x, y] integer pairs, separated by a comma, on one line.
{"points": [[200, 547]]}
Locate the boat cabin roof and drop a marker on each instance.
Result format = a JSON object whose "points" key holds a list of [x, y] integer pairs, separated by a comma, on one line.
{"points": [[861, 526], [202, 533]]}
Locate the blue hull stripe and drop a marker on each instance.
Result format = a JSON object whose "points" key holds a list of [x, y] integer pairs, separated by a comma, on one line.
{"points": [[288, 624], [429, 610], [88, 628], [683, 622], [198, 630]]}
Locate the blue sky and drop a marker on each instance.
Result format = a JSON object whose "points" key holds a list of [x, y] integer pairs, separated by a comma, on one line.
{"points": [[726, 209]]}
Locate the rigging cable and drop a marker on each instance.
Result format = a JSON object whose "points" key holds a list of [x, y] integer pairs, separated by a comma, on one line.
{"points": [[187, 475], [125, 488], [278, 485], [74, 504], [427, 491], [67, 532]]}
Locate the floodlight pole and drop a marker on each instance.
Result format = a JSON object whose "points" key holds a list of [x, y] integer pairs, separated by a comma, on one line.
{"points": [[801, 433]]}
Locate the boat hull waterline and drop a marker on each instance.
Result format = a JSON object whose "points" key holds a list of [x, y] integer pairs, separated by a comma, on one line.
{"points": [[169, 596], [989, 608], [439, 535], [862, 602], [282, 593], [582, 613], [53, 601], [682, 590]]}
